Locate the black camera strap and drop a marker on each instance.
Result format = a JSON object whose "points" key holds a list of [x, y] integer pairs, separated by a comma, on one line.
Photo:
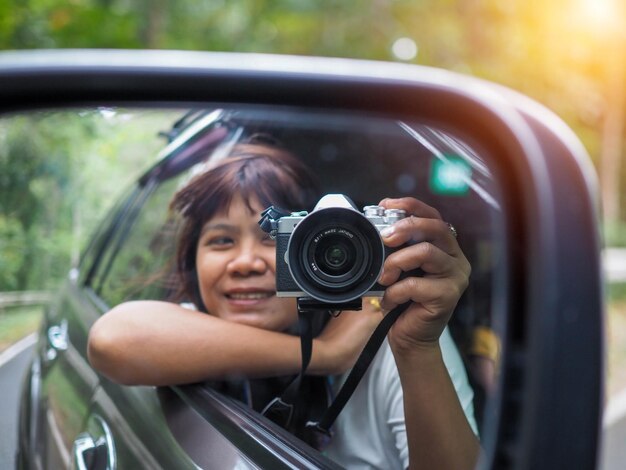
{"points": [[357, 372], [280, 410]]}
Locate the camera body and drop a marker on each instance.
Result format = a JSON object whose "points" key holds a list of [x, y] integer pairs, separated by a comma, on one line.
{"points": [[334, 255]]}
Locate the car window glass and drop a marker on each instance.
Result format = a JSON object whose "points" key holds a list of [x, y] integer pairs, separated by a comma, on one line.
{"points": [[139, 268], [100, 241]]}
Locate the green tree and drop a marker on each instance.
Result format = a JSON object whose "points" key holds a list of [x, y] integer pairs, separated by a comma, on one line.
{"points": [[52, 189]]}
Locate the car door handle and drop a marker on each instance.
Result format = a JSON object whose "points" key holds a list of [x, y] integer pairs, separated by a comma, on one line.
{"points": [[94, 449], [57, 336], [57, 339], [90, 454]]}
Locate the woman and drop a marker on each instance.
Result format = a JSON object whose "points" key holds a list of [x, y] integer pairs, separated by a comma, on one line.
{"points": [[226, 267]]}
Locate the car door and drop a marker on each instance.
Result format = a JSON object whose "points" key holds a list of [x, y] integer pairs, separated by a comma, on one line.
{"points": [[131, 417], [67, 380]]}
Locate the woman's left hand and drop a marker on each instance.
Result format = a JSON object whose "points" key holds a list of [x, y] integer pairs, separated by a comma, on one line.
{"points": [[425, 241]]}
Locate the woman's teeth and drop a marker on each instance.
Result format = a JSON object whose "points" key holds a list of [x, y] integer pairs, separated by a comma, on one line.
{"points": [[250, 296]]}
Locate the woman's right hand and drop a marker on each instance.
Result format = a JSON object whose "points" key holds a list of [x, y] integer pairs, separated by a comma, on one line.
{"points": [[338, 347]]}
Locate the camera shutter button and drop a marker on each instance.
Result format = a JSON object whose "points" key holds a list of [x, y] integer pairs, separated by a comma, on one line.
{"points": [[373, 211], [393, 215]]}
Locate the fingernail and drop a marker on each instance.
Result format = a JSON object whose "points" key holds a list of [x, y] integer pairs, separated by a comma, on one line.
{"points": [[386, 232]]}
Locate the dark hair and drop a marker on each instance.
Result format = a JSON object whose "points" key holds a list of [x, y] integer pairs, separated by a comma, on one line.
{"points": [[255, 171]]}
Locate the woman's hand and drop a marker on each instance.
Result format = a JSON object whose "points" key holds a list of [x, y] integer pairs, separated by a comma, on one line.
{"points": [[344, 337], [426, 242]]}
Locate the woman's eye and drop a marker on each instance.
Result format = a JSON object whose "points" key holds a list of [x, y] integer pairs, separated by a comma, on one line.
{"points": [[220, 242]]}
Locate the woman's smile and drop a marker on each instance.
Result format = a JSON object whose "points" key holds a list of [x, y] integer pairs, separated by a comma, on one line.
{"points": [[248, 297]]}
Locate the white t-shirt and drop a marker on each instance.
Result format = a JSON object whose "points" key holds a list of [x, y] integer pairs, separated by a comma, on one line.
{"points": [[372, 433]]}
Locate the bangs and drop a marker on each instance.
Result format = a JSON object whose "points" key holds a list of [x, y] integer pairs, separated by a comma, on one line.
{"points": [[261, 177], [268, 184]]}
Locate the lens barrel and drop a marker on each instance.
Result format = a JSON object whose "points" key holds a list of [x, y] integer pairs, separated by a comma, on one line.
{"points": [[335, 255]]}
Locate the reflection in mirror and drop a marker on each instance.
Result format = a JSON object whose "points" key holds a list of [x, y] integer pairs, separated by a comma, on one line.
{"points": [[186, 233]]}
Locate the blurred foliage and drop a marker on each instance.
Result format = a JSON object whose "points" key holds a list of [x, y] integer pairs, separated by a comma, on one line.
{"points": [[616, 292], [563, 53], [614, 233], [59, 172]]}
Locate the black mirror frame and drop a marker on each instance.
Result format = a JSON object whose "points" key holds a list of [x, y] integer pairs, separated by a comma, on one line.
{"points": [[547, 412]]}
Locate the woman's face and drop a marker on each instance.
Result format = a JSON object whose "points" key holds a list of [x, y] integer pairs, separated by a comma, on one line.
{"points": [[236, 265]]}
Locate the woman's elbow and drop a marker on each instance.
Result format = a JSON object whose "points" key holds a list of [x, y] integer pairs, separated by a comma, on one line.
{"points": [[108, 351]]}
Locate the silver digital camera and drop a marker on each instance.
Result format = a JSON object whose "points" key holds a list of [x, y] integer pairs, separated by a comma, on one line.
{"points": [[333, 255]]}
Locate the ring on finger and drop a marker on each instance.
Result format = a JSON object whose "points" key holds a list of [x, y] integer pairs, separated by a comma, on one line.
{"points": [[452, 229]]}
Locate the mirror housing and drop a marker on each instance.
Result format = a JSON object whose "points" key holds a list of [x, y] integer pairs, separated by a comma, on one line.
{"points": [[547, 409]]}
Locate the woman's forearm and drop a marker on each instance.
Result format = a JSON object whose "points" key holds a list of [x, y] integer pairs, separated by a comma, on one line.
{"points": [[159, 343], [438, 433]]}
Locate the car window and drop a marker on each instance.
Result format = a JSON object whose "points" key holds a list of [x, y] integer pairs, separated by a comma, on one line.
{"points": [[138, 267]]}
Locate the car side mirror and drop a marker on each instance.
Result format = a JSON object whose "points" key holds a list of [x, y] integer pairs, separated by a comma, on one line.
{"points": [[544, 283]]}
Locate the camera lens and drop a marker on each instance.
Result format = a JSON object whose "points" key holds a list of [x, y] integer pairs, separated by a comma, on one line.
{"points": [[334, 256]]}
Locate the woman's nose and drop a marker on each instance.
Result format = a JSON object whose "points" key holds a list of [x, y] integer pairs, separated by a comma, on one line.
{"points": [[248, 260]]}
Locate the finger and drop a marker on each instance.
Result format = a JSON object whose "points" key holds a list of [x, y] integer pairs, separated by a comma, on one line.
{"points": [[436, 295], [431, 259], [418, 229], [412, 206]]}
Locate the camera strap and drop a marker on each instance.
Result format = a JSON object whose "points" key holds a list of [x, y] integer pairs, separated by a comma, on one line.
{"points": [[281, 409], [357, 372]]}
